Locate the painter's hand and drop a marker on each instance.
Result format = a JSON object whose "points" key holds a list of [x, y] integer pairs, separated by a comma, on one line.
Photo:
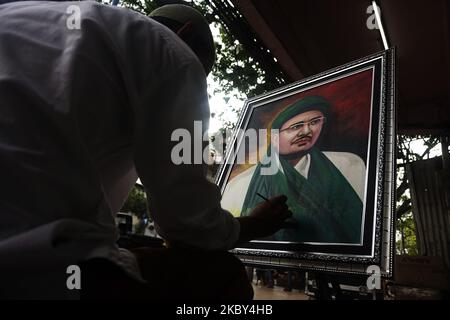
{"points": [[265, 219]]}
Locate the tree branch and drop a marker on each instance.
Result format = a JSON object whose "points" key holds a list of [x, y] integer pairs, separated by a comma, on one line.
{"points": [[404, 208], [401, 189]]}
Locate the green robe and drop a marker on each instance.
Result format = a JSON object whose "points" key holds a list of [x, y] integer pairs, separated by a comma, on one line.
{"points": [[325, 206]]}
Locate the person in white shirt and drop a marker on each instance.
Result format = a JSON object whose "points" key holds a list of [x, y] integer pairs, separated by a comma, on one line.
{"points": [[86, 108], [325, 189]]}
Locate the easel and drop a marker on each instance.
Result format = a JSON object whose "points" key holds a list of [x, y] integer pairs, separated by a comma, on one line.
{"points": [[325, 292]]}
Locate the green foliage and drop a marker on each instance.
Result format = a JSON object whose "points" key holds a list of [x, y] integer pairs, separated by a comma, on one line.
{"points": [[136, 203], [407, 242], [236, 71], [141, 6]]}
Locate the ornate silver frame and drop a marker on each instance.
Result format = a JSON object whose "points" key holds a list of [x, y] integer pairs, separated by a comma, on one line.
{"points": [[383, 242]]}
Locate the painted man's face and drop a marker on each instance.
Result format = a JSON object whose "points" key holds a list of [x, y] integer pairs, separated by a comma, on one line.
{"points": [[300, 133]]}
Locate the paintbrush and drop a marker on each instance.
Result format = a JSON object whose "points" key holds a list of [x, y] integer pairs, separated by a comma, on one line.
{"points": [[288, 223]]}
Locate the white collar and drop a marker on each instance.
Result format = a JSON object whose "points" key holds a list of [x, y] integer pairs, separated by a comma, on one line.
{"points": [[303, 166]]}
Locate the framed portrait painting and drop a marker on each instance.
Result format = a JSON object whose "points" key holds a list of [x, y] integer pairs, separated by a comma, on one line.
{"points": [[327, 143]]}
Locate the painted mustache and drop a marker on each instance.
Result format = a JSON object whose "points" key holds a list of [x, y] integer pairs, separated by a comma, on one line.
{"points": [[302, 139]]}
